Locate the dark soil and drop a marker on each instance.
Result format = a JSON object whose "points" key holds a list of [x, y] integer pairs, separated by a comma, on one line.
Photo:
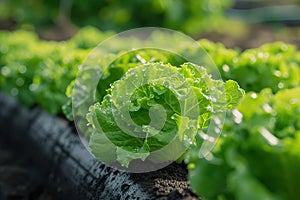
{"points": [[168, 183]]}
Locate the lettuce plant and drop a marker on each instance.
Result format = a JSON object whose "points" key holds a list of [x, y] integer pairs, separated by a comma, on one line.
{"points": [[274, 65], [257, 155], [155, 107]]}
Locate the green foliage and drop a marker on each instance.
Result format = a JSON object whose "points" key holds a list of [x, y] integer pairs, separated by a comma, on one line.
{"points": [[187, 15], [274, 65], [89, 37], [257, 156], [38, 72], [148, 95], [36, 12], [260, 133], [16, 73]]}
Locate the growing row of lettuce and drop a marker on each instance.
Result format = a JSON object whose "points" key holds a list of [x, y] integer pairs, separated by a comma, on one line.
{"points": [[257, 155]]}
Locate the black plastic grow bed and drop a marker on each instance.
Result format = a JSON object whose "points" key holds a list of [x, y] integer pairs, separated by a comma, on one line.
{"points": [[69, 171]]}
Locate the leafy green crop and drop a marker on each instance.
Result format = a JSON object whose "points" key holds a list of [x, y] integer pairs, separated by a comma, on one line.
{"points": [[258, 155], [38, 72], [16, 73], [274, 65], [180, 96]]}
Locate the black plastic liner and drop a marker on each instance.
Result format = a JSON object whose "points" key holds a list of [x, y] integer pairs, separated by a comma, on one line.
{"points": [[69, 167]]}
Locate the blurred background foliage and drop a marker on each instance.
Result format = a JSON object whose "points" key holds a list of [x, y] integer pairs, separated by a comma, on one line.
{"points": [[188, 15], [227, 21]]}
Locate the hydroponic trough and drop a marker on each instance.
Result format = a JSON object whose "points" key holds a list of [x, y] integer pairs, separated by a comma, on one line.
{"points": [[57, 150]]}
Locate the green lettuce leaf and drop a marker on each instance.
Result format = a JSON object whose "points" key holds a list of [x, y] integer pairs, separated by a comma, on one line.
{"points": [[257, 156], [154, 106]]}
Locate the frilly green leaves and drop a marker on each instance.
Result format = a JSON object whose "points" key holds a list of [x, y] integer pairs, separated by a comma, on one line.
{"points": [[155, 111]]}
